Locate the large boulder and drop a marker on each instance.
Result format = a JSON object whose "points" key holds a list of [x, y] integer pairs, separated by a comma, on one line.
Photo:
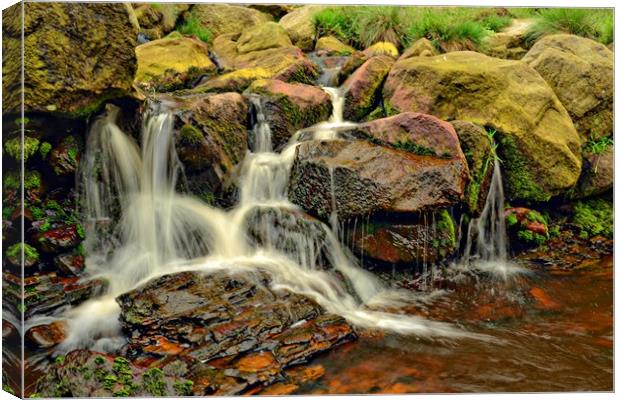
{"points": [[169, 64], [76, 56], [262, 37], [358, 178], [156, 20], [538, 143], [426, 242], [211, 140], [299, 25], [477, 146], [362, 88], [222, 19], [581, 73], [290, 107], [286, 63]]}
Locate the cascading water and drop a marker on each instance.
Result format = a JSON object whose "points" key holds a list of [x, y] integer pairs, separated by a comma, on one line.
{"points": [[160, 231]]}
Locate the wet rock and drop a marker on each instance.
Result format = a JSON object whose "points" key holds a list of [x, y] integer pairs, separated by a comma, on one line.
{"points": [[77, 56], [526, 226], [478, 150], [169, 64], [361, 178], [381, 49], [425, 242], [234, 330], [420, 48], [299, 25], [46, 336], [290, 107], [34, 187], [70, 264], [362, 90], [212, 139], [58, 239], [351, 64], [537, 141], [580, 72], [65, 157], [85, 373], [14, 256], [292, 232], [330, 46], [222, 19], [235, 81], [269, 35], [597, 175]]}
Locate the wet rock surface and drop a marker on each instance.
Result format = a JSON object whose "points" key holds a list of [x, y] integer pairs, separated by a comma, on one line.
{"points": [[360, 178], [597, 175], [362, 90]]}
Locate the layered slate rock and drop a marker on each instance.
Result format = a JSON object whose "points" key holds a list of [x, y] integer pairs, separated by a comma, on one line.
{"points": [[299, 25], [211, 139], [290, 107], [357, 178], [362, 90], [231, 332], [169, 64], [477, 147], [222, 19], [580, 72], [76, 56], [537, 140]]}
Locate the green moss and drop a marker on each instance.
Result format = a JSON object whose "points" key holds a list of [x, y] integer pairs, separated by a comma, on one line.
{"points": [[190, 135], [80, 231], [59, 360], [32, 180], [184, 388], [153, 382], [595, 217], [445, 225], [192, 26], [598, 146], [414, 148], [554, 231], [99, 360], [30, 253], [109, 381], [518, 180], [12, 147], [12, 180], [511, 220], [531, 237]]}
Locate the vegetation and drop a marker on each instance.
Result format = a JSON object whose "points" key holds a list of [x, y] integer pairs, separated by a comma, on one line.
{"points": [[13, 147], [598, 146], [192, 26], [594, 217], [596, 24]]}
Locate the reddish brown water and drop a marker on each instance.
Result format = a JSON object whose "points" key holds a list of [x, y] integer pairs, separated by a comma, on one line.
{"points": [[552, 331]]}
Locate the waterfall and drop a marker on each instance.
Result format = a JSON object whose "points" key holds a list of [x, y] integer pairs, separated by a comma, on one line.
{"points": [[138, 227]]}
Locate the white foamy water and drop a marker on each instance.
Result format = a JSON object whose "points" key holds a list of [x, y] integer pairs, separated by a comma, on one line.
{"points": [[138, 227]]}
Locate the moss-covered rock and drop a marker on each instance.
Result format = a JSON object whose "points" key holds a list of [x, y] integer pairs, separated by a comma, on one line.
{"points": [[594, 217], [290, 107], [597, 174], [580, 71], [158, 19], [526, 227], [168, 64], [269, 35], [510, 42], [222, 19], [14, 255], [479, 152], [13, 147], [299, 25], [330, 46], [539, 146], [420, 48], [76, 56], [382, 49], [235, 81], [362, 90], [65, 157]]}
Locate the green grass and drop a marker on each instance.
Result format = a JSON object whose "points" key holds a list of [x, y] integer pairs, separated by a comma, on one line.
{"points": [[192, 26], [596, 24], [594, 146]]}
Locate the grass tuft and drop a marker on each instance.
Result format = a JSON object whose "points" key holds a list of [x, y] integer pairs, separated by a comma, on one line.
{"points": [[192, 26], [596, 24]]}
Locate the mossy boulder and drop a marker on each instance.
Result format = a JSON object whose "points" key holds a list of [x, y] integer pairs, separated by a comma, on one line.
{"points": [[290, 107], [382, 49], [168, 64], [65, 157], [403, 244], [157, 20], [222, 19], [331, 46], [526, 227], [211, 140], [539, 146], [360, 178], [350, 65], [13, 147], [362, 90], [76, 56], [594, 217], [299, 25], [420, 48], [478, 149], [235, 81], [14, 255], [269, 35], [581, 73], [510, 42]]}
